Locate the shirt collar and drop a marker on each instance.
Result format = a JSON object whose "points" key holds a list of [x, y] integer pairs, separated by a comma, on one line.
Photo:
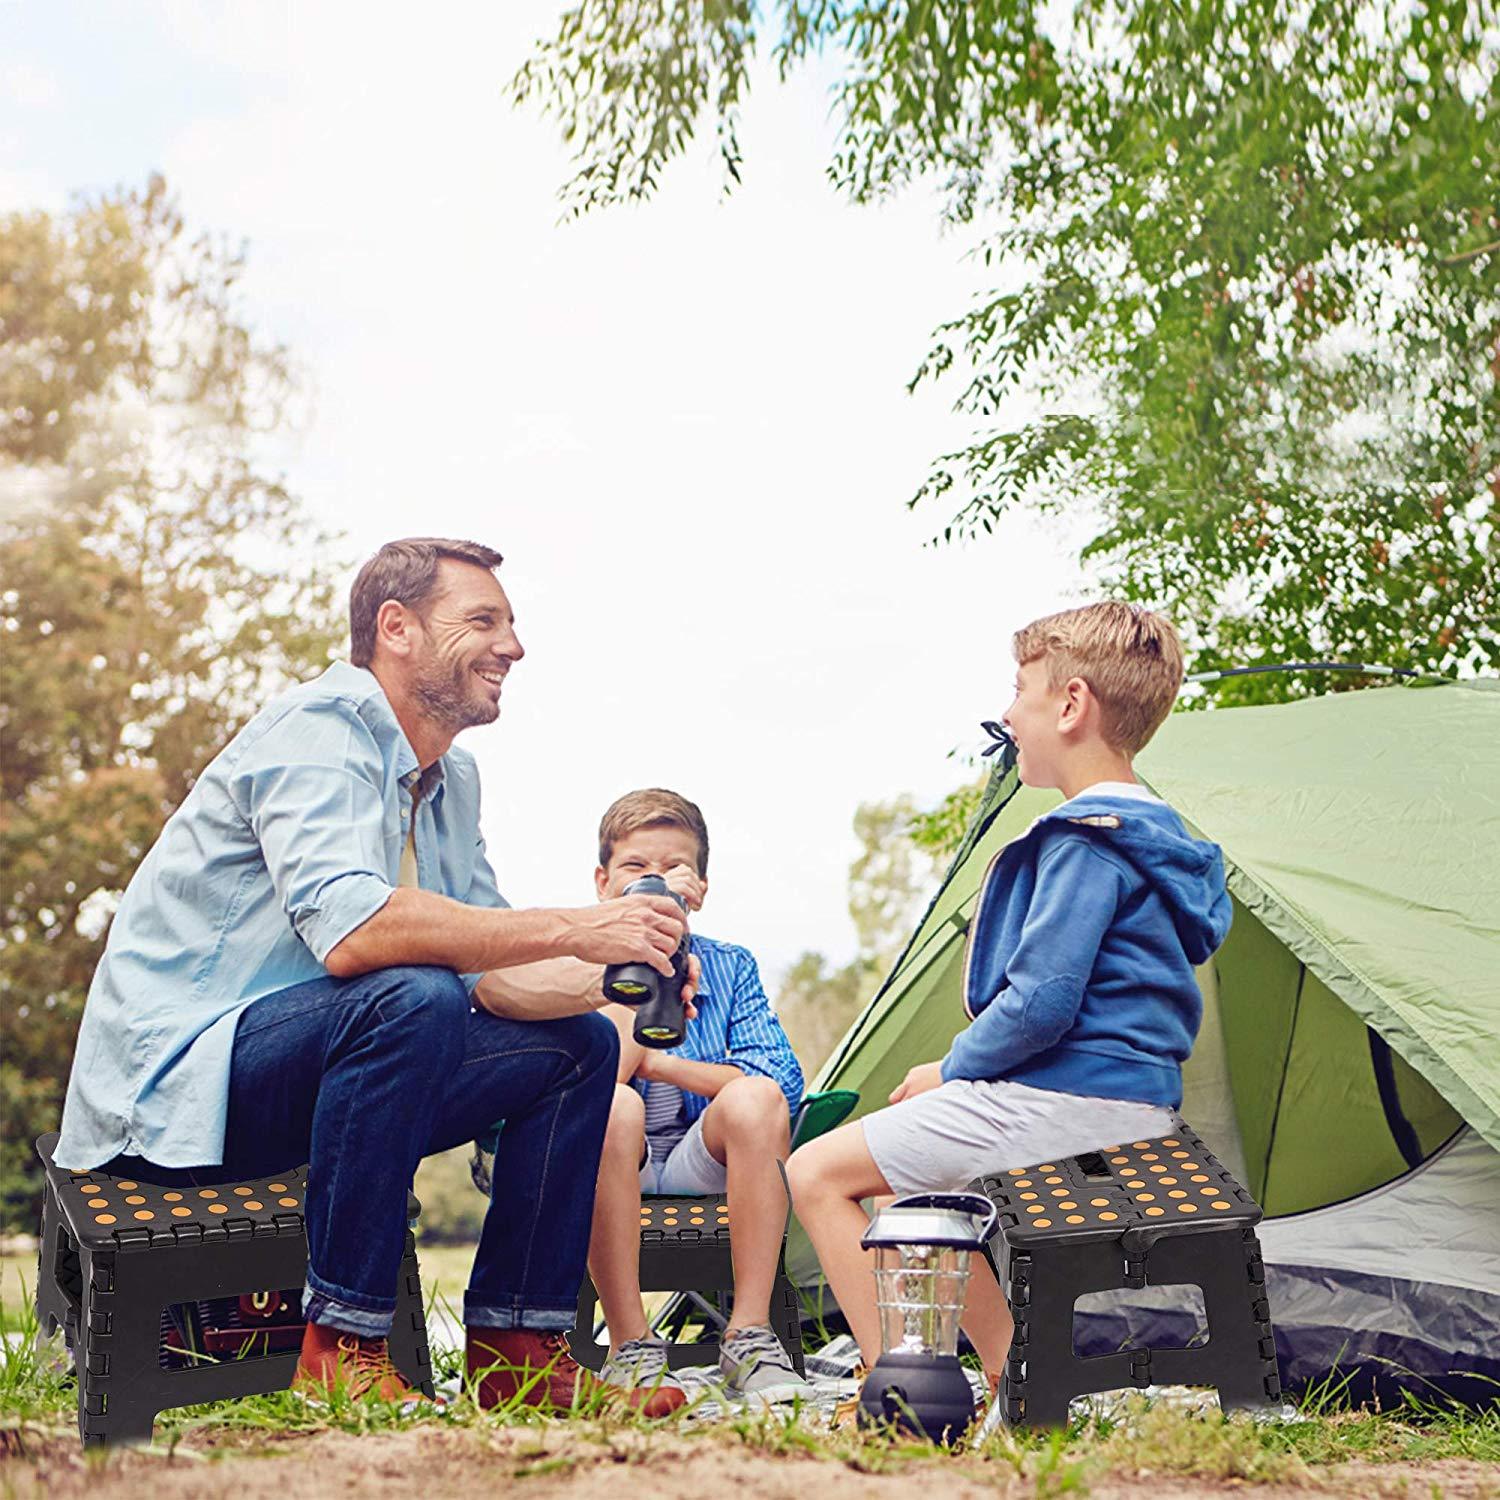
{"points": [[365, 686]]}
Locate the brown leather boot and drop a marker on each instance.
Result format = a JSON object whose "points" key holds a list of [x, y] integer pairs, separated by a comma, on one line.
{"points": [[332, 1359], [536, 1365]]}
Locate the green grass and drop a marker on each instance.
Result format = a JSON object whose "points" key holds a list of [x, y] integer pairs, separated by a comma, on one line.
{"points": [[37, 1395]]}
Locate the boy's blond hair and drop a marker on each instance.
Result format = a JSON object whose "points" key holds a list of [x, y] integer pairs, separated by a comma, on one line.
{"points": [[652, 807], [1130, 658]]}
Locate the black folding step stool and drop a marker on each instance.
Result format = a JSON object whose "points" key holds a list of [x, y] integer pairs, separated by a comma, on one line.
{"points": [[1144, 1213], [117, 1254]]}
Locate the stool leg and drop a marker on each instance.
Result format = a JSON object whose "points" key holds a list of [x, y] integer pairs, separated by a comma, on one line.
{"points": [[58, 1283], [585, 1348], [119, 1336], [410, 1351], [786, 1319], [1035, 1389], [1239, 1324]]}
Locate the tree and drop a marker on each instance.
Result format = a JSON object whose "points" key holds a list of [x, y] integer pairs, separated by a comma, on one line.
{"points": [[157, 587], [1245, 253], [890, 882]]}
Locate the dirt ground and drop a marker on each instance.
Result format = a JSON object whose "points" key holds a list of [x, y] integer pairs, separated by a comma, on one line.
{"points": [[556, 1464]]}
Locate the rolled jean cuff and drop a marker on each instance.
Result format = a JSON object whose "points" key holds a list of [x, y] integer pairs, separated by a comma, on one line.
{"points": [[332, 1307], [481, 1314]]}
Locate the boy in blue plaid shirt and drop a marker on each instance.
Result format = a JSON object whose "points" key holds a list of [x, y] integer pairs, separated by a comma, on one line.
{"points": [[712, 1115]]}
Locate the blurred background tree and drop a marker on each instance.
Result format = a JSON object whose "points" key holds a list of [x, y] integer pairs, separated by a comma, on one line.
{"points": [[156, 586], [890, 883], [1243, 259]]}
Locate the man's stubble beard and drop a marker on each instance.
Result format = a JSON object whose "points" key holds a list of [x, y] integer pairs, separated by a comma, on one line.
{"points": [[447, 697]]}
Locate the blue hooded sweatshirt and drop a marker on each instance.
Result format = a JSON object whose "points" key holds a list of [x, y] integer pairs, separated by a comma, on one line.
{"points": [[1079, 970]]}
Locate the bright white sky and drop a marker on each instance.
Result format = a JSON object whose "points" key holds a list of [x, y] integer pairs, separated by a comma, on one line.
{"points": [[684, 424]]}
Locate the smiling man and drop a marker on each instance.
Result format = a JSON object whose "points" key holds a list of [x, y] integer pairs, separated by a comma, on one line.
{"points": [[314, 964]]}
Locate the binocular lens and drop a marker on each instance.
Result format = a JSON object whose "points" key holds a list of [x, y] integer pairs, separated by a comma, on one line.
{"points": [[658, 1033], [629, 989]]}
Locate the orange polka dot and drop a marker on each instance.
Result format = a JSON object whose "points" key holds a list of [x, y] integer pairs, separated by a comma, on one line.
{"points": [[1187, 1208], [182, 1213], [1054, 1179], [1119, 1161], [1027, 1197], [1060, 1192], [123, 1185], [1148, 1156], [1109, 1218], [144, 1213], [1168, 1181], [1190, 1166], [1111, 1148], [1179, 1155], [1154, 1212], [1098, 1202], [1209, 1192], [255, 1204], [276, 1187], [1067, 1205], [1141, 1145], [1024, 1182], [171, 1197], [98, 1202], [1201, 1177], [1221, 1203], [1046, 1167], [134, 1198], [1036, 1208], [1146, 1197], [244, 1192], [287, 1202], [1169, 1143], [1158, 1169], [1016, 1171], [1130, 1172], [1075, 1218], [1041, 1223], [90, 1187], [1177, 1193], [218, 1208], [104, 1218], [208, 1193]]}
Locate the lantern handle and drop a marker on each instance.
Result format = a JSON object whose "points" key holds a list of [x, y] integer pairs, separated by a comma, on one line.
{"points": [[962, 1203]]}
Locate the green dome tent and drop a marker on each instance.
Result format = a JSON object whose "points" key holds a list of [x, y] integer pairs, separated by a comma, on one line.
{"points": [[1348, 1068]]}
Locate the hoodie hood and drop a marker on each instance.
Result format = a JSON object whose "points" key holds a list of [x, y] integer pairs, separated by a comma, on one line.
{"points": [[1186, 872]]}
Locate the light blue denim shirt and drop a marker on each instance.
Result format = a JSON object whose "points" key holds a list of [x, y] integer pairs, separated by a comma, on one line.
{"points": [[289, 840]]}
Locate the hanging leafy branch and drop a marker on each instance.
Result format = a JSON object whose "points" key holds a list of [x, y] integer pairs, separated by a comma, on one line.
{"points": [[1244, 265]]}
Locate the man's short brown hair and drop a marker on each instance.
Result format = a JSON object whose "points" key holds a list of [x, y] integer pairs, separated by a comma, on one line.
{"points": [[1130, 658], [652, 807], [406, 571]]}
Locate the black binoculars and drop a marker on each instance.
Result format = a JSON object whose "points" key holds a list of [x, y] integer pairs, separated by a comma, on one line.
{"points": [[656, 999]]}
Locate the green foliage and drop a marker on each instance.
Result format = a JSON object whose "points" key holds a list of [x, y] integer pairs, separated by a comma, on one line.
{"points": [[157, 587], [1245, 258]]}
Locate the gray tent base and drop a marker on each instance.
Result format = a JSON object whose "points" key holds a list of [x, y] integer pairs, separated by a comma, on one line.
{"points": [[1435, 1341]]}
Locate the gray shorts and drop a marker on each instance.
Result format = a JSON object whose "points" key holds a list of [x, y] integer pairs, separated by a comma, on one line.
{"points": [[688, 1169], [940, 1141]]}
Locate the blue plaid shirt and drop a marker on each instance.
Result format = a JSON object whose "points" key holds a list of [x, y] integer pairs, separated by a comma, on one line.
{"points": [[736, 1025]]}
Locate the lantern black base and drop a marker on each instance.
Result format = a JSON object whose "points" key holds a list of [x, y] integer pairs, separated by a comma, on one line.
{"points": [[927, 1394]]}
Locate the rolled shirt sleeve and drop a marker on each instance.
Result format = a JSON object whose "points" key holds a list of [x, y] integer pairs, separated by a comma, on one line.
{"points": [[314, 799]]}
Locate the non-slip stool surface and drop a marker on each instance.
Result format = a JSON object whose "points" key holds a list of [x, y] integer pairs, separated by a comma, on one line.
{"points": [[1164, 1185], [120, 1213]]}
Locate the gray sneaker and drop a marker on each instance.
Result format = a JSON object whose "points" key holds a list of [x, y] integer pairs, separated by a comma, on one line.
{"points": [[640, 1362], [754, 1363]]}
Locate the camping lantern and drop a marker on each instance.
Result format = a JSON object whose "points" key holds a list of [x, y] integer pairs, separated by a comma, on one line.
{"points": [[922, 1245]]}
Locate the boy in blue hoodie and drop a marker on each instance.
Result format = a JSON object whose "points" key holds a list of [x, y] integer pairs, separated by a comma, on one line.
{"points": [[1078, 980]]}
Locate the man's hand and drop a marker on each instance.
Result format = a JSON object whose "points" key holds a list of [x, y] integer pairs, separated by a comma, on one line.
{"points": [[923, 1077], [629, 929], [687, 883]]}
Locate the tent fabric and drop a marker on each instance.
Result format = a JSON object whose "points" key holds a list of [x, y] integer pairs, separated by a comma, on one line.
{"points": [[1362, 829], [1351, 1021]]}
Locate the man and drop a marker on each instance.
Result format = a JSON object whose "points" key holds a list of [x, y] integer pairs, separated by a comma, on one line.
{"points": [[289, 978]]}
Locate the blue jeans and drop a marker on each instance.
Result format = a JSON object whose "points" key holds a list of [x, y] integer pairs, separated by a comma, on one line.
{"points": [[361, 1078]]}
